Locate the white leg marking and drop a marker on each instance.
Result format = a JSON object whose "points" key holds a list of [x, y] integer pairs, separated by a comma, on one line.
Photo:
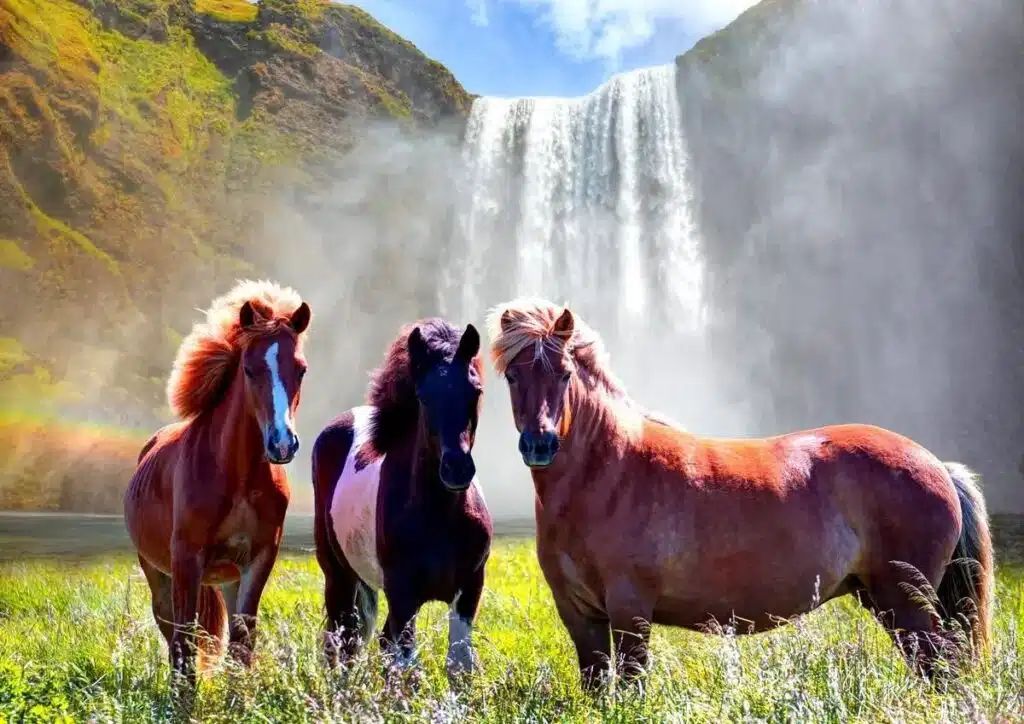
{"points": [[460, 647], [279, 397]]}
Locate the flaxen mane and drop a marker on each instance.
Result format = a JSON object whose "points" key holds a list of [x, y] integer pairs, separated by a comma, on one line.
{"points": [[209, 355], [533, 320], [392, 390]]}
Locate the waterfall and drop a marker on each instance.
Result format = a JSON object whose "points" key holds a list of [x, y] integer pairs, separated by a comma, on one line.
{"points": [[583, 200], [586, 201]]}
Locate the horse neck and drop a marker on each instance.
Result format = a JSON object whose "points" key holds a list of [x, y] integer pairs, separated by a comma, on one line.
{"points": [[425, 487], [596, 424], [234, 432]]}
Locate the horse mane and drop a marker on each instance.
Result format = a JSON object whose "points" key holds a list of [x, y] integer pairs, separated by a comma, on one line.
{"points": [[533, 321], [392, 390], [208, 357]]}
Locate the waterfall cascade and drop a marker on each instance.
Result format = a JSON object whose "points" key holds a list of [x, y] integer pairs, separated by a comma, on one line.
{"points": [[587, 201]]}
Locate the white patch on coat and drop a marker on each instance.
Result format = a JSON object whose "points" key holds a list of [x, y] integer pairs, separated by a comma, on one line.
{"points": [[801, 452], [354, 505], [460, 647]]}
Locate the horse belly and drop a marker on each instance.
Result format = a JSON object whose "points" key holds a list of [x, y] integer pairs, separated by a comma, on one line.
{"points": [[761, 579], [354, 507]]}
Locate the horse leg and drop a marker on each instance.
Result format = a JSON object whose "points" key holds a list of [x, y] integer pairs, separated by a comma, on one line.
{"points": [[186, 577], [242, 631], [630, 617], [460, 628], [909, 623], [591, 637], [398, 640], [160, 593], [350, 604]]}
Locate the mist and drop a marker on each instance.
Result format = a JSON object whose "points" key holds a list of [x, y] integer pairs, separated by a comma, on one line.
{"points": [[836, 240], [859, 209], [855, 270]]}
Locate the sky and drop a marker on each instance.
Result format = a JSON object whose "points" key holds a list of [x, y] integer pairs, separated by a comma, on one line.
{"points": [[515, 48]]}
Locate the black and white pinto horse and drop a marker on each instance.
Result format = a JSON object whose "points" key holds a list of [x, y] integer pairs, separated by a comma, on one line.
{"points": [[398, 507]]}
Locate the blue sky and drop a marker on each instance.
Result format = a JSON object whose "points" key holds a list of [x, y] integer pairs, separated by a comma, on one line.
{"points": [[550, 47]]}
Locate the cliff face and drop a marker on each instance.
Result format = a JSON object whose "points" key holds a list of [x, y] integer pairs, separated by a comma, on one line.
{"points": [[141, 144], [858, 169]]}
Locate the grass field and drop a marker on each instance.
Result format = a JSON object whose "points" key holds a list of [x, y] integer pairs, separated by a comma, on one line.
{"points": [[77, 643]]}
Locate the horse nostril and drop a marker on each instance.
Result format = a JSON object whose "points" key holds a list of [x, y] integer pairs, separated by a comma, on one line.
{"points": [[524, 443]]}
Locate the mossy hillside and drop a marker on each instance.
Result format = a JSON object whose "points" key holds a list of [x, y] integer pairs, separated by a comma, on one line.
{"points": [[141, 141], [730, 58], [228, 11]]}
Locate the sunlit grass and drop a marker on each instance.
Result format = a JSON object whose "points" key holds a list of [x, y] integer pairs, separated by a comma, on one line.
{"points": [[79, 640]]}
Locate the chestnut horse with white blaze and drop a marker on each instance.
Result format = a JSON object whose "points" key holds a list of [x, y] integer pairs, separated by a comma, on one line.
{"points": [[397, 502], [641, 522], [206, 506]]}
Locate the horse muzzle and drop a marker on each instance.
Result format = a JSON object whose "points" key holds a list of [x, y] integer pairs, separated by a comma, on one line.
{"points": [[457, 470], [280, 447], [538, 449]]}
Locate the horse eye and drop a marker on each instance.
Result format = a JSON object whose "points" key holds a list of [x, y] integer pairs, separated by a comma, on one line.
{"points": [[247, 370], [510, 378], [300, 372], [566, 376]]}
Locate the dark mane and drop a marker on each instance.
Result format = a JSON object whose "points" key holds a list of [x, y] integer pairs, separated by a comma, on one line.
{"points": [[392, 390]]}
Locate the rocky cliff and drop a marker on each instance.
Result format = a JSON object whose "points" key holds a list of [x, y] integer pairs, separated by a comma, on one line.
{"points": [[141, 144]]}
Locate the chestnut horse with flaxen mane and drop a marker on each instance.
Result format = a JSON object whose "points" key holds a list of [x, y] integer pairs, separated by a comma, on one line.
{"points": [[397, 503], [206, 505], [641, 522]]}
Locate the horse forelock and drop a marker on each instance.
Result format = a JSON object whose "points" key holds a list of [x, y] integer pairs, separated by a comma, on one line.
{"points": [[532, 324], [392, 390], [207, 358]]}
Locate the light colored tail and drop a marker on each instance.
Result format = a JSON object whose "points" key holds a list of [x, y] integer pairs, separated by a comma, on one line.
{"points": [[967, 589], [213, 622]]}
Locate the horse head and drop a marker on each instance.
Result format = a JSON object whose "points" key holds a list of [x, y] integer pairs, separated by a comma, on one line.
{"points": [[449, 392], [273, 368], [538, 377]]}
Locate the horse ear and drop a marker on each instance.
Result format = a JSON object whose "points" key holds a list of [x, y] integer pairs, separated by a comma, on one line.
{"points": [[248, 316], [418, 352], [469, 345], [300, 318], [506, 320], [565, 324]]}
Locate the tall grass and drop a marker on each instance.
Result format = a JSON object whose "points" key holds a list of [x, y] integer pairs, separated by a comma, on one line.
{"points": [[78, 641]]}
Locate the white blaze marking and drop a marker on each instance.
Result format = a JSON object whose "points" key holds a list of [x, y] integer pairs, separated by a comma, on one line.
{"points": [[354, 505], [279, 398]]}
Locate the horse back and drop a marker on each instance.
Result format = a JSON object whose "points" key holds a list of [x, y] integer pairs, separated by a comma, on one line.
{"points": [[871, 482]]}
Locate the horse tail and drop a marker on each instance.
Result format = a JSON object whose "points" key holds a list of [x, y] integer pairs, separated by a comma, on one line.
{"points": [[967, 589], [213, 622]]}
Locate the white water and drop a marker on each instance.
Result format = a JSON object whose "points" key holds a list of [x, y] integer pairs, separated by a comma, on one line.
{"points": [[583, 200], [586, 201]]}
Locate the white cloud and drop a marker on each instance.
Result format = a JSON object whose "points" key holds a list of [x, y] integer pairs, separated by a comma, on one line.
{"points": [[603, 29], [479, 9]]}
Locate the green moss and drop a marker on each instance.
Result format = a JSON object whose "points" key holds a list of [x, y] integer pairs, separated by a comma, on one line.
{"points": [[289, 40], [51, 34], [228, 11], [168, 89], [61, 236], [12, 354], [12, 256], [366, 20], [393, 100], [34, 391], [303, 11]]}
